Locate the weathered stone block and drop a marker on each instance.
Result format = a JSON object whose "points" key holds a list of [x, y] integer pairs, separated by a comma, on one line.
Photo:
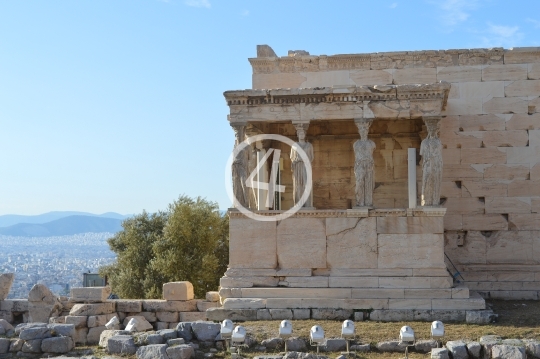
{"points": [[32, 346], [157, 305], [301, 235], [79, 321], [6, 280], [522, 88], [410, 250], [252, 244], [507, 352], [409, 225], [153, 351], [167, 316], [178, 291], [205, 331], [409, 303], [506, 105], [121, 344], [459, 73], [508, 204], [351, 242], [331, 314], [504, 72], [301, 314], [202, 306], [126, 305], [305, 282], [193, 316], [244, 303], [355, 282], [212, 296], [415, 76], [90, 294], [485, 222], [92, 309], [183, 351], [439, 353]]}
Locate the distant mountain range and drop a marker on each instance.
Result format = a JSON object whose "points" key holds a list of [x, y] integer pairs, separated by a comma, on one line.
{"points": [[60, 224]]}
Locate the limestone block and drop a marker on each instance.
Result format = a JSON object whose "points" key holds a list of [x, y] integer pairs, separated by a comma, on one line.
{"points": [[331, 314], [523, 122], [485, 222], [429, 272], [522, 155], [339, 293], [369, 293], [246, 282], [482, 188], [426, 293], [523, 188], [92, 309], [229, 293], [460, 292], [535, 204], [506, 105], [507, 352], [156, 305], [301, 235], [467, 304], [193, 316], [250, 272], [508, 138], [252, 244], [520, 222], [90, 294], [504, 72], [32, 346], [508, 205], [220, 314], [405, 282], [6, 280], [212, 296], [351, 242], [459, 172], [534, 138], [373, 77], [149, 316], [121, 344], [98, 320], [521, 55], [94, 334], [355, 282], [410, 251], [244, 303], [507, 172], [278, 80], [409, 304], [465, 205], [450, 189], [452, 139], [480, 91], [523, 88], [533, 71], [202, 306], [453, 222], [391, 315], [459, 73], [487, 155], [326, 79], [178, 291], [409, 225], [126, 305], [415, 76], [488, 122], [79, 321], [305, 282], [463, 106], [452, 156], [167, 316]]}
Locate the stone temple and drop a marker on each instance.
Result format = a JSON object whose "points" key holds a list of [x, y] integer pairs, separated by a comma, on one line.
{"points": [[421, 161]]}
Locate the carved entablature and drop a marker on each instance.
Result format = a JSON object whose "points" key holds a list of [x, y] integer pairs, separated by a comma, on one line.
{"points": [[338, 103], [394, 60]]}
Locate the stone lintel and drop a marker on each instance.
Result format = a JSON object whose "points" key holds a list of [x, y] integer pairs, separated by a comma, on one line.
{"points": [[352, 213]]}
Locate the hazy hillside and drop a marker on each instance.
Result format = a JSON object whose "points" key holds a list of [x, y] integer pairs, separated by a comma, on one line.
{"points": [[11, 219], [64, 226]]}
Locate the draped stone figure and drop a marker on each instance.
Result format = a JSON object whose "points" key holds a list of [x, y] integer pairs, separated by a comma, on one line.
{"points": [[364, 165], [432, 163], [240, 168], [298, 167]]}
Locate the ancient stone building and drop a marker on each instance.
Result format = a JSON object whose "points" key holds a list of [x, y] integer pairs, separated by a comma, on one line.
{"points": [[486, 105]]}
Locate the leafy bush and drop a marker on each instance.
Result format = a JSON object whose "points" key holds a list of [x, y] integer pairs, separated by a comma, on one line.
{"points": [[189, 241]]}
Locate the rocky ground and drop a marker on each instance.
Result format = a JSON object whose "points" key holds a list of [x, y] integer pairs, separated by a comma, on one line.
{"points": [[517, 320]]}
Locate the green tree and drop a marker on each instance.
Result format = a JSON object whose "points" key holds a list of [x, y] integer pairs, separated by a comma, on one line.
{"points": [[188, 241]]}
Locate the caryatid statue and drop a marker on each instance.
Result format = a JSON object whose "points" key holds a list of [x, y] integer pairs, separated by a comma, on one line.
{"points": [[299, 170], [240, 167], [364, 165], [432, 163]]}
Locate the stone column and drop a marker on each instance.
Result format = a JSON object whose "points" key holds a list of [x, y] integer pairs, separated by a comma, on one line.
{"points": [[364, 164], [240, 168], [432, 163], [299, 171]]}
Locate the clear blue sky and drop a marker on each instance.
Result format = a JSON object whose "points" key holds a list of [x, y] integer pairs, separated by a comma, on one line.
{"points": [[118, 106]]}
